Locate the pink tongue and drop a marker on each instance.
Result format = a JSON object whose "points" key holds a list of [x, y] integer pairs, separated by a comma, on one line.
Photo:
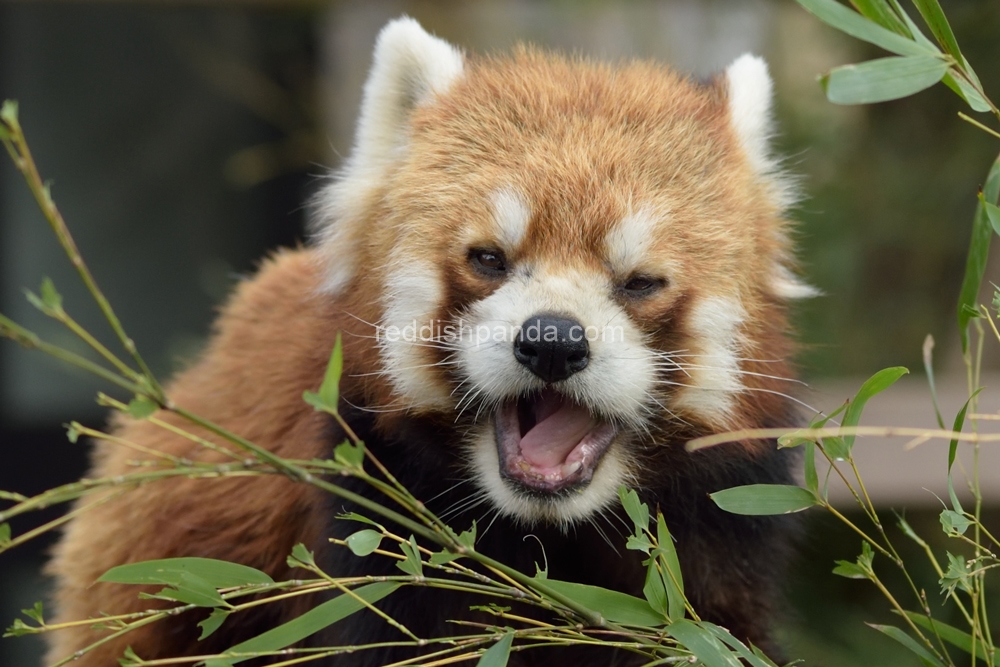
{"points": [[560, 427]]}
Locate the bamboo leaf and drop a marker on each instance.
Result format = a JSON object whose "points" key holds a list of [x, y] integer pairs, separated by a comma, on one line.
{"points": [[746, 654], [498, 654], [880, 12], [979, 248], [636, 510], [330, 389], [950, 634], [952, 522], [883, 79], [655, 590], [349, 454], [354, 516], [836, 448], [213, 622], [672, 579], [413, 564], [992, 212], [311, 622], [50, 297], [967, 92], [910, 533], [130, 659], [928, 352], [940, 28], [909, 642], [329, 392], [849, 570], [811, 478], [876, 384], [844, 19], [191, 589], [612, 605], [8, 114], [36, 613], [218, 573], [705, 646], [301, 557], [467, 538], [443, 557], [364, 542], [915, 32], [764, 499], [953, 449], [141, 407], [957, 575], [19, 629]]}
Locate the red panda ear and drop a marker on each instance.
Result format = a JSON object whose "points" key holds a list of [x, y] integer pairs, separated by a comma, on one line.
{"points": [[749, 98], [749, 90], [409, 68]]}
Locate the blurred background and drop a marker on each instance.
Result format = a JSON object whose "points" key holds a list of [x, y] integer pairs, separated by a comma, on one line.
{"points": [[183, 138]]}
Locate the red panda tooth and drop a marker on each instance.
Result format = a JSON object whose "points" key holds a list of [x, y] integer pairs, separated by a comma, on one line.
{"points": [[571, 468]]}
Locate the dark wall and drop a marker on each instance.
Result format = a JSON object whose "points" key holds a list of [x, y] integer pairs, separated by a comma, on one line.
{"points": [[173, 184]]}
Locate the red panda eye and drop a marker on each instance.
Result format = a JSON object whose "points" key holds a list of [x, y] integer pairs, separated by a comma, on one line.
{"points": [[640, 286], [488, 262]]}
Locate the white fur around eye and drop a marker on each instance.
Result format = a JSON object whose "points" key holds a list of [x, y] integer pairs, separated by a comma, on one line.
{"points": [[511, 216], [627, 244]]}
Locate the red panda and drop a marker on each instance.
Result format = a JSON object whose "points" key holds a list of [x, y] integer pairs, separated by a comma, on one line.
{"points": [[549, 274]]}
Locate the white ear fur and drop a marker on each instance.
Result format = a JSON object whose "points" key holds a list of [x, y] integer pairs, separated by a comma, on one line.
{"points": [[409, 68], [786, 285], [750, 94], [749, 87]]}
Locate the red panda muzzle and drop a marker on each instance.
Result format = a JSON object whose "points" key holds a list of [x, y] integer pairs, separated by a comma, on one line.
{"points": [[548, 442]]}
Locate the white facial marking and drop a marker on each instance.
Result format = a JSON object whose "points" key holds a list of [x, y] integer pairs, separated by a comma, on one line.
{"points": [[407, 331], [713, 372], [627, 243], [511, 216], [410, 67]]}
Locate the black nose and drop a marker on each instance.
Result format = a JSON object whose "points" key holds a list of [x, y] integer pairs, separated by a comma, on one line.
{"points": [[552, 347]]}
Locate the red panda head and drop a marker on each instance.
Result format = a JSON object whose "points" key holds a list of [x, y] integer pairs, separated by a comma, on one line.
{"points": [[571, 261]]}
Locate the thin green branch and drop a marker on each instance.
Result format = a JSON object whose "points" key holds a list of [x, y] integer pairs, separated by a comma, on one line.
{"points": [[973, 121], [21, 336], [17, 145], [61, 316]]}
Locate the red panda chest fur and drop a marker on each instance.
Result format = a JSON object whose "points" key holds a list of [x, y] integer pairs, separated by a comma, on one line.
{"points": [[549, 275]]}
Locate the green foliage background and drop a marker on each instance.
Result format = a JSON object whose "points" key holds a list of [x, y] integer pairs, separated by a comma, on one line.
{"points": [[890, 193]]}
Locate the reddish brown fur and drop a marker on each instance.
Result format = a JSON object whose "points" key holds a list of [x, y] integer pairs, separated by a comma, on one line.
{"points": [[575, 138], [271, 341]]}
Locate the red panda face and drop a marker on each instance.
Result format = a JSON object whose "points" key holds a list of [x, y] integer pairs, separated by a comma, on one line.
{"points": [[573, 263]]}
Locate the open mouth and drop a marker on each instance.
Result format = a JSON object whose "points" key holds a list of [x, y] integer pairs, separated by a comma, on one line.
{"points": [[548, 443]]}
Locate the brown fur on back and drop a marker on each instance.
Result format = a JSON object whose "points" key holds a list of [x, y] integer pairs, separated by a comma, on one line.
{"points": [[271, 342]]}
